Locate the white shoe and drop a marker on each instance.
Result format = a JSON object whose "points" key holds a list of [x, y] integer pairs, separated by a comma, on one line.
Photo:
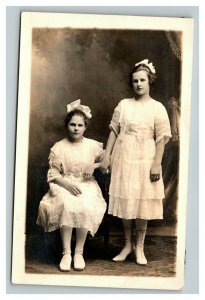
{"points": [[123, 254], [79, 263], [65, 262], [140, 257]]}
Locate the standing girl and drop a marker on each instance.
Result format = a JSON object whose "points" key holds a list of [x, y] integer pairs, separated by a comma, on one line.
{"points": [[74, 199], [139, 131]]}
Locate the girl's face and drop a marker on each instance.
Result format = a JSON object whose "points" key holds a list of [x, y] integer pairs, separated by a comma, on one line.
{"points": [[76, 128], [140, 82]]}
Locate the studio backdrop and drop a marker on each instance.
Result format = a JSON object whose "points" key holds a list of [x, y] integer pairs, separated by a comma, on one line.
{"points": [[94, 65]]}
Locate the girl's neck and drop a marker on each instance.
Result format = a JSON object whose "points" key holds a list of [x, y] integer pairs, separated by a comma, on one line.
{"points": [[73, 141], [142, 98]]}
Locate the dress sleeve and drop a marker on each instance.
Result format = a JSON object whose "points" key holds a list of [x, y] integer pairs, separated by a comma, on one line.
{"points": [[115, 121], [162, 124], [55, 165], [97, 150]]}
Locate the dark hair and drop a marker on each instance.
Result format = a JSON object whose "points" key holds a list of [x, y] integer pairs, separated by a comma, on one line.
{"points": [[151, 76], [73, 113]]}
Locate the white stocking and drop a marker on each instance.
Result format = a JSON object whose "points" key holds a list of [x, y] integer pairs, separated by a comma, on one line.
{"points": [[127, 249], [79, 263], [66, 233], [141, 229], [81, 234]]}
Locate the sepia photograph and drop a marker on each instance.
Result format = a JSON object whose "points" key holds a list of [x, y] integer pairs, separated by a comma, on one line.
{"points": [[102, 150]]}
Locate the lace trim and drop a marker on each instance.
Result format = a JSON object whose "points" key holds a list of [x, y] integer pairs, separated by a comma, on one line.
{"points": [[49, 228]]}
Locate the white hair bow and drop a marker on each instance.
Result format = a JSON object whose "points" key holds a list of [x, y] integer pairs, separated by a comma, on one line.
{"points": [[149, 65], [76, 105]]}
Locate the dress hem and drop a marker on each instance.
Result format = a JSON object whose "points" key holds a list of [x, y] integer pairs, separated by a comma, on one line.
{"points": [[135, 217], [57, 226]]}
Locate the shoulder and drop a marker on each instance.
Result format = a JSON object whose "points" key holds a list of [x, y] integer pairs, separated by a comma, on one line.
{"points": [[124, 102], [157, 104], [59, 145], [160, 111], [92, 142]]}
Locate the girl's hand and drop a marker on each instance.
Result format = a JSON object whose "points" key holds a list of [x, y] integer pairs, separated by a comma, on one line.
{"points": [[104, 166], [155, 172], [73, 189], [88, 172]]}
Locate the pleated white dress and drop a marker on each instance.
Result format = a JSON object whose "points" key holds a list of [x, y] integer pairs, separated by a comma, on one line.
{"points": [[139, 126], [59, 207]]}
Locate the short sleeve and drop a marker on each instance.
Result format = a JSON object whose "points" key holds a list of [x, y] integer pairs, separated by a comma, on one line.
{"points": [[115, 124], [162, 124], [97, 149], [55, 165]]}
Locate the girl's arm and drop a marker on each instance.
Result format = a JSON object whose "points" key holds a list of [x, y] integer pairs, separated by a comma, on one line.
{"points": [[88, 172], [110, 144], [73, 189], [156, 166], [104, 158]]}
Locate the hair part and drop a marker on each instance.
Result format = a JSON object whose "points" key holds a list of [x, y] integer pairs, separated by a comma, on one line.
{"points": [[75, 112], [151, 76]]}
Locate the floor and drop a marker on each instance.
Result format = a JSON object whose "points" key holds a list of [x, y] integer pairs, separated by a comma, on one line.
{"points": [[43, 253]]}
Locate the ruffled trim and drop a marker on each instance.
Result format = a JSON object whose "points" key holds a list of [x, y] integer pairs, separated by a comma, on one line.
{"points": [[135, 216], [51, 228], [47, 228], [92, 228], [148, 209]]}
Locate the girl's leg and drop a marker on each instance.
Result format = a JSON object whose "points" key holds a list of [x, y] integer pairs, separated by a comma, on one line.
{"points": [[127, 227], [66, 233], [79, 263], [141, 229]]}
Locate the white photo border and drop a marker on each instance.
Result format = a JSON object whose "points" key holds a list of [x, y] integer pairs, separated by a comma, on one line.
{"points": [[30, 20]]}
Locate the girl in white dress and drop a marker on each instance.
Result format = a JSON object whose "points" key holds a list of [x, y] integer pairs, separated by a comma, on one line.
{"points": [[140, 129], [74, 199]]}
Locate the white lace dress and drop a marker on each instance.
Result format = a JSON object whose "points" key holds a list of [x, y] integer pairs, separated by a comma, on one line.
{"points": [[138, 127], [59, 207]]}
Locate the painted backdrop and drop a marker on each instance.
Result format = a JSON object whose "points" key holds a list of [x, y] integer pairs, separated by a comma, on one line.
{"points": [[93, 65]]}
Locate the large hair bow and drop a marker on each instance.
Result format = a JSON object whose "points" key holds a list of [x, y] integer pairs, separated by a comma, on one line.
{"points": [[76, 105], [149, 65]]}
